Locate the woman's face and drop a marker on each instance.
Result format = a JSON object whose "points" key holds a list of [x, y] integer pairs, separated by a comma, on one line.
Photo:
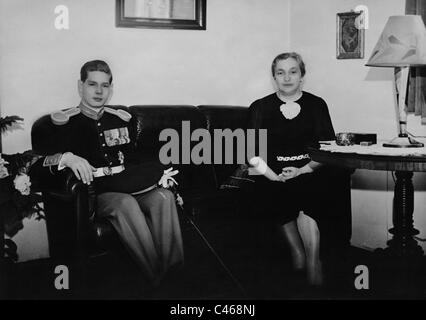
{"points": [[288, 77]]}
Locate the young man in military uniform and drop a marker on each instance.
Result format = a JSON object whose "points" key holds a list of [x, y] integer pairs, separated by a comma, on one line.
{"points": [[99, 147]]}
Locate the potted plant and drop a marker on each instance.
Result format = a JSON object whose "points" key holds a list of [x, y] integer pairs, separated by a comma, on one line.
{"points": [[17, 199]]}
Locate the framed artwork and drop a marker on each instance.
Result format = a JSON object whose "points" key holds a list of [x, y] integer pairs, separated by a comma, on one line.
{"points": [[350, 36], [163, 14]]}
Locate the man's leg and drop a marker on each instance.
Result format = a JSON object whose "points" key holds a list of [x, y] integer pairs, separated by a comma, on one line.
{"points": [[132, 226], [160, 209]]}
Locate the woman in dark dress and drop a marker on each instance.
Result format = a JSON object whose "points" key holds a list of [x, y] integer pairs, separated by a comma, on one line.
{"points": [[294, 120]]}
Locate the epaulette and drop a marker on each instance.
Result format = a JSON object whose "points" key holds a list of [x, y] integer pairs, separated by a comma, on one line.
{"points": [[123, 115], [62, 117]]}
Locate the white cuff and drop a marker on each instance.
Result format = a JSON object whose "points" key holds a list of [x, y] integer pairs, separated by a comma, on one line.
{"points": [[61, 165]]}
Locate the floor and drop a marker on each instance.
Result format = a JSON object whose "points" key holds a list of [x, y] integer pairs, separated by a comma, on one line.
{"points": [[249, 271]]}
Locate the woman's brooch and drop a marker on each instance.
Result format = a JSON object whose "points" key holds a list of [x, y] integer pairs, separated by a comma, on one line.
{"points": [[290, 109]]}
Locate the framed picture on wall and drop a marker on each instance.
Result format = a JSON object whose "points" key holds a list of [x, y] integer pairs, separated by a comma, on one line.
{"points": [[163, 14], [350, 36]]}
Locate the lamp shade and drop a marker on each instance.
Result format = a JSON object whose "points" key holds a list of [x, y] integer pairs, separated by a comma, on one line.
{"points": [[401, 44]]}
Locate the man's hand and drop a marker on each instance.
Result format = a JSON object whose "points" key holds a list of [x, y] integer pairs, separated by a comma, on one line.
{"points": [[80, 166], [167, 179]]}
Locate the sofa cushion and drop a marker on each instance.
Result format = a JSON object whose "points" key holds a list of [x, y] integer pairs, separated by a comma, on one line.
{"points": [[239, 179]]}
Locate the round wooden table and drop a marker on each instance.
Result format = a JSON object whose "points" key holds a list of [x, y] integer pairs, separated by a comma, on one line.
{"points": [[403, 231]]}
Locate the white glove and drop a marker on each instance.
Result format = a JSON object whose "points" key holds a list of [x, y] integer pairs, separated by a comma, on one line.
{"points": [[179, 199], [167, 179], [261, 167]]}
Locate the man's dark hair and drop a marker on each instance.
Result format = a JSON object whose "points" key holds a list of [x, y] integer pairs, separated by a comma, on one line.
{"points": [[286, 55], [95, 65]]}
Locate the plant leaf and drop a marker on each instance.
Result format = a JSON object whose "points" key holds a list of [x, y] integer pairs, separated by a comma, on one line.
{"points": [[8, 121]]}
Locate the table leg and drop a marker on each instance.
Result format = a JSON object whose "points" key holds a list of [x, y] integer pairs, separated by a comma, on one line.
{"points": [[403, 242]]}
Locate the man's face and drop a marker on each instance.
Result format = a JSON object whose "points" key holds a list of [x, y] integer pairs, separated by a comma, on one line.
{"points": [[96, 89]]}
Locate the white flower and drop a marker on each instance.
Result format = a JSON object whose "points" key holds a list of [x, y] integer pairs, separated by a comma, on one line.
{"points": [[290, 109], [3, 170], [22, 183]]}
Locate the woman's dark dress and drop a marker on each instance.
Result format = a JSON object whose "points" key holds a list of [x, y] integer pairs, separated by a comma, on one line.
{"points": [[287, 147]]}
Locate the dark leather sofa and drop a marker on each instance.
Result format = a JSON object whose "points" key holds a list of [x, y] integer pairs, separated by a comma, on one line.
{"points": [[75, 233]]}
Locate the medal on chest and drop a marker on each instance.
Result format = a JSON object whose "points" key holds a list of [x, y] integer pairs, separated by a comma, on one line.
{"points": [[116, 136]]}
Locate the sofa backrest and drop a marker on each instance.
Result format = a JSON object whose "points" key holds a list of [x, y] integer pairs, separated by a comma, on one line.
{"points": [[225, 117], [150, 120]]}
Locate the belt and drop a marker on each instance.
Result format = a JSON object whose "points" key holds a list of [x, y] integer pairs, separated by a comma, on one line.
{"points": [[107, 171]]}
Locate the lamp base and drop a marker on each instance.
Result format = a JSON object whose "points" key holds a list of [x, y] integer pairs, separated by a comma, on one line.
{"points": [[403, 142]]}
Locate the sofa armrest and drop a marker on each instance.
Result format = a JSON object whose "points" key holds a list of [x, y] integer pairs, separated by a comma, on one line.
{"points": [[68, 211], [63, 184]]}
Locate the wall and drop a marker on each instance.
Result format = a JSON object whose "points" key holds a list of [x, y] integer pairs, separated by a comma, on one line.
{"points": [[226, 64], [360, 99]]}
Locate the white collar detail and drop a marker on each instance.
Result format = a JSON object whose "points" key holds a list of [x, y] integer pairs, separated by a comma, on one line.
{"points": [[290, 109]]}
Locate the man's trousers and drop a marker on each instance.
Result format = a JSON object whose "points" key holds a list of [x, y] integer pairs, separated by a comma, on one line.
{"points": [[148, 225]]}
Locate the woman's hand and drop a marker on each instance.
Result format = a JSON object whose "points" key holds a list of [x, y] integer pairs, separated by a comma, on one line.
{"points": [[292, 172], [289, 173]]}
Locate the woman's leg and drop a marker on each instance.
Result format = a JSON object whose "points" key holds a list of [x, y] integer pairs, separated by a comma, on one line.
{"points": [[292, 236], [280, 201], [310, 235]]}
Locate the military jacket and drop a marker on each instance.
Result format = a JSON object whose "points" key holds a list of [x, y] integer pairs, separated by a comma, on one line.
{"points": [[105, 142]]}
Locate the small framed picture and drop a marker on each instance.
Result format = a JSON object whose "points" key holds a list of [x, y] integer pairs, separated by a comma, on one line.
{"points": [[350, 36], [163, 14]]}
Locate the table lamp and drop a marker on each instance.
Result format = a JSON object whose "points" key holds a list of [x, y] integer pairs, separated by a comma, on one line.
{"points": [[401, 45]]}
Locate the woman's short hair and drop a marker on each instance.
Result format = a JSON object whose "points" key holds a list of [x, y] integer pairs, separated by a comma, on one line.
{"points": [[286, 55], [94, 65]]}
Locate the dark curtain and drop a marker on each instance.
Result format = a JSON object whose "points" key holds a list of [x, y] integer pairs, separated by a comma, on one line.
{"points": [[416, 101]]}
